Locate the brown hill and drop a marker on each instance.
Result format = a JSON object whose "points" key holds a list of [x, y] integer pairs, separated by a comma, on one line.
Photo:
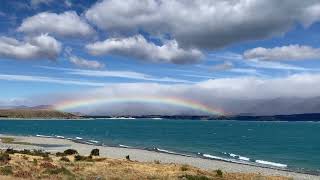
{"points": [[35, 113]]}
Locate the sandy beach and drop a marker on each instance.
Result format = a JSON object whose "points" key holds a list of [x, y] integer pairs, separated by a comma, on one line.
{"points": [[58, 145]]}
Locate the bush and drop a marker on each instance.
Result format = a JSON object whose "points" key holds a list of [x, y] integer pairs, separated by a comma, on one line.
{"points": [[184, 168], [49, 159], [194, 177], [61, 170], [10, 151], [35, 162], [65, 159], [157, 162], [6, 170], [82, 158], [59, 154], [94, 152], [70, 152], [28, 152], [4, 157], [219, 173]]}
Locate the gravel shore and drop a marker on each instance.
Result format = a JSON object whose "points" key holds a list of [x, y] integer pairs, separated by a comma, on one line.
{"points": [[55, 145]]}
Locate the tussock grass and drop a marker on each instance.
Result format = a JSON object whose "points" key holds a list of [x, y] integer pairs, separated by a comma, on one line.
{"points": [[36, 167]]}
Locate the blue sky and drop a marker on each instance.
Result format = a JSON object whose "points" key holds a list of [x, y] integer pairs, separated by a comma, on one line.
{"points": [[65, 47]]}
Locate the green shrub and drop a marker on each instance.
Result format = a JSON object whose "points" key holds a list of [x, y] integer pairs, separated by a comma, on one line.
{"points": [[157, 162], [82, 158], [10, 151], [65, 159], [6, 170], [94, 152], [28, 152], [70, 152], [4, 157], [35, 162], [219, 173], [194, 177], [61, 170], [59, 154], [49, 159], [184, 168]]}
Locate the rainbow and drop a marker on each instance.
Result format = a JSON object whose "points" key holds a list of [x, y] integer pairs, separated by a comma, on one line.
{"points": [[175, 101]]}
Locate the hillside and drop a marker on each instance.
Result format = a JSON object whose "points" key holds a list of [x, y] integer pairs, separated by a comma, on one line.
{"points": [[35, 113]]}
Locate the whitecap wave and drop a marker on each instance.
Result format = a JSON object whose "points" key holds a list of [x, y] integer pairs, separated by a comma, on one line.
{"points": [[62, 137], [79, 138], [243, 158], [122, 118], [271, 163], [166, 151], [124, 146], [213, 157], [93, 141], [39, 135]]}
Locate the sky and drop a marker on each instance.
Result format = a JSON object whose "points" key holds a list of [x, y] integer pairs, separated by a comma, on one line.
{"points": [[161, 57]]}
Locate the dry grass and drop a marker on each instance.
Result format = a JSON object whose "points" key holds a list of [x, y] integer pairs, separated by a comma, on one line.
{"points": [[36, 167]]}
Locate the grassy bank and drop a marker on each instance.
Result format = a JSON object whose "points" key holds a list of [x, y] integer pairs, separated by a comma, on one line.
{"points": [[70, 165]]}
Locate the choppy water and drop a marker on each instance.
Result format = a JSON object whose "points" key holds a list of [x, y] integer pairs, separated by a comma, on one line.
{"points": [[293, 145]]}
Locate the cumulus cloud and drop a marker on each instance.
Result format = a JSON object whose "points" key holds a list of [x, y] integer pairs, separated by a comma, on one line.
{"points": [[38, 47], [204, 23], [91, 64], [138, 47], [64, 24], [234, 95], [291, 52]]}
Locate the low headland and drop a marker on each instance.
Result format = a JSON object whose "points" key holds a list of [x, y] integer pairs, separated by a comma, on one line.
{"points": [[57, 158]]}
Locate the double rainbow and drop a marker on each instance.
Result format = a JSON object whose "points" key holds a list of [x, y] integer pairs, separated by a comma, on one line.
{"points": [[175, 101]]}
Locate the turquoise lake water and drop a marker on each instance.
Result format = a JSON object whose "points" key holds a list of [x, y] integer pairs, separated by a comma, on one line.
{"points": [[294, 144]]}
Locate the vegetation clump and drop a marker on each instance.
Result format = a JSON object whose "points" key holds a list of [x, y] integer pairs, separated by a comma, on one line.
{"points": [[65, 159], [28, 152], [94, 152], [4, 158], [184, 167], [194, 177], [219, 173], [6, 170], [70, 152], [61, 170], [83, 158]]}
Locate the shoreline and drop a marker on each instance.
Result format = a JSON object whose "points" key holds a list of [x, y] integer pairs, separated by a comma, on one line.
{"points": [[55, 144]]}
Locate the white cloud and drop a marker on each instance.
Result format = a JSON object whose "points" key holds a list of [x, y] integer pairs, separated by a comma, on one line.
{"points": [[64, 24], [234, 95], [118, 74], [275, 65], [138, 47], [39, 47], [36, 3], [291, 52], [86, 63], [222, 67], [204, 23], [44, 79]]}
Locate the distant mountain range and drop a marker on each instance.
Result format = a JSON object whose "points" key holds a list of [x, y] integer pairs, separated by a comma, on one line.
{"points": [[256, 112]]}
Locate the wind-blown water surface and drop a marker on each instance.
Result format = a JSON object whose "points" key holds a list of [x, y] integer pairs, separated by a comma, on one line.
{"points": [[295, 144]]}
